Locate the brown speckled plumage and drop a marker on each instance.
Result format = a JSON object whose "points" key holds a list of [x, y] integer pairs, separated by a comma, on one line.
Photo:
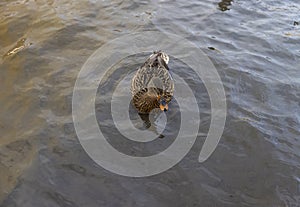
{"points": [[151, 82]]}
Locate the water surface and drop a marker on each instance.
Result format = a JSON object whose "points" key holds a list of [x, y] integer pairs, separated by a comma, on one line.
{"points": [[255, 48]]}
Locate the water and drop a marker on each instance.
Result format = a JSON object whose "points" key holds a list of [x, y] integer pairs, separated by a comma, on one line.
{"points": [[255, 48]]}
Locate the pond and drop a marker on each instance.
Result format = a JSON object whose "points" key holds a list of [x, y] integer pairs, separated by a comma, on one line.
{"points": [[255, 48]]}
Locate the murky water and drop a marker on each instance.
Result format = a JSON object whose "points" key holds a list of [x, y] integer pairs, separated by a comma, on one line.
{"points": [[255, 46]]}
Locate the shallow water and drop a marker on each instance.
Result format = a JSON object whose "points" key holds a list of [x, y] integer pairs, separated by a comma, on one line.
{"points": [[255, 46]]}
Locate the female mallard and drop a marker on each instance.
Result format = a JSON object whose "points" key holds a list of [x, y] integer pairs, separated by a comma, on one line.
{"points": [[152, 86]]}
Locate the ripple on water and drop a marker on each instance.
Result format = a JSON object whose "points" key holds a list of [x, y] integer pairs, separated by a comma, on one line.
{"points": [[256, 51]]}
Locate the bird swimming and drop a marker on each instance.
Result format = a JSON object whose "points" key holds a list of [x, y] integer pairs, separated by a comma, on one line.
{"points": [[152, 86]]}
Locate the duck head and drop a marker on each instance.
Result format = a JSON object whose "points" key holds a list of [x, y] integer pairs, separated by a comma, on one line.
{"points": [[163, 105]]}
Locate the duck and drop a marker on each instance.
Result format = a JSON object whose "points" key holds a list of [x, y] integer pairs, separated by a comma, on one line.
{"points": [[152, 86]]}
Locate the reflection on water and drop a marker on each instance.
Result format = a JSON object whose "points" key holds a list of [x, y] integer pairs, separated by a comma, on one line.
{"points": [[255, 48], [17, 48]]}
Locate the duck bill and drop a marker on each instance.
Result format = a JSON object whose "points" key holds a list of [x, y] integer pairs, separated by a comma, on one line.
{"points": [[164, 107]]}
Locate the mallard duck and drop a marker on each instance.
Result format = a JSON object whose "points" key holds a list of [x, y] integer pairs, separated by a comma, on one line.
{"points": [[152, 86]]}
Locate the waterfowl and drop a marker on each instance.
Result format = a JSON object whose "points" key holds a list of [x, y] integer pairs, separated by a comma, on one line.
{"points": [[152, 86]]}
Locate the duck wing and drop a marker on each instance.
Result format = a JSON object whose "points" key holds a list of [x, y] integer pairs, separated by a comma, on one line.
{"points": [[152, 76]]}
